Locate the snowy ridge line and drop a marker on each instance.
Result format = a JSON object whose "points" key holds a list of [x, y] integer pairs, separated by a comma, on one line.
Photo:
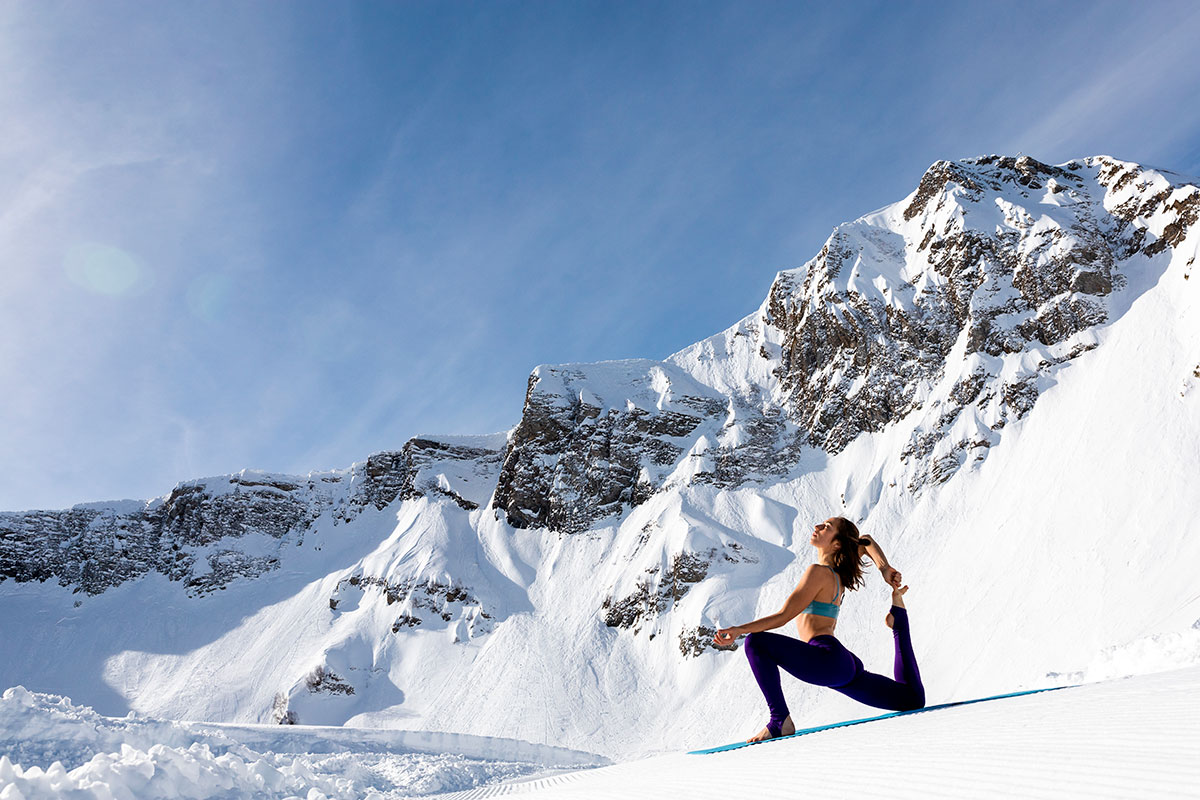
{"points": [[333, 739], [1134, 737], [848, 723]]}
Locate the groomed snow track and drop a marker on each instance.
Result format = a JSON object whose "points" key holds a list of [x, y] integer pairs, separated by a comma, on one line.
{"points": [[1130, 738]]}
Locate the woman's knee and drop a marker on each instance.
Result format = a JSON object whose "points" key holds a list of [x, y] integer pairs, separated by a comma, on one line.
{"points": [[916, 701], [760, 646]]}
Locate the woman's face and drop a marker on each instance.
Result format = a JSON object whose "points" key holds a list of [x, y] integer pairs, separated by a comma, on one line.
{"points": [[823, 533]]}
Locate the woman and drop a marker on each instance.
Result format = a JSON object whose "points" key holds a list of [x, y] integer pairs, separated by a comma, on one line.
{"points": [[818, 657]]}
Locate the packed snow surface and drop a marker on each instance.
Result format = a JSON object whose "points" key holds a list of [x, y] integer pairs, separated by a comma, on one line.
{"points": [[1137, 737]]}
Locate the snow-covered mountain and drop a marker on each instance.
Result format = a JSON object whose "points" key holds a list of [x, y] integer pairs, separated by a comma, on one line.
{"points": [[996, 376]]}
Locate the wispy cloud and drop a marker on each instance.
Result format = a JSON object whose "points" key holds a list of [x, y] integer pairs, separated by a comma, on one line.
{"points": [[1137, 96]]}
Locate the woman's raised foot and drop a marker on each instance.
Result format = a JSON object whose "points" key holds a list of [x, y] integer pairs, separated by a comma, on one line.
{"points": [[898, 601], [786, 729]]}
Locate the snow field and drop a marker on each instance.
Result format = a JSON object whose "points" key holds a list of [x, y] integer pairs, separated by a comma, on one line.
{"points": [[1131, 738], [53, 748]]}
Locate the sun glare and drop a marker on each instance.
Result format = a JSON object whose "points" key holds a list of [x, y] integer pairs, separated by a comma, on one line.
{"points": [[105, 270]]}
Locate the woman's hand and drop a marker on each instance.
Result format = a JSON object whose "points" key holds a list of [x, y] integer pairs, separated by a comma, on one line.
{"points": [[725, 637], [892, 576]]}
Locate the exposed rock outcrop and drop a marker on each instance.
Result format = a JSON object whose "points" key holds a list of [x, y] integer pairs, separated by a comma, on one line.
{"points": [[656, 593], [412, 472], [196, 534], [188, 536], [574, 458], [419, 602], [323, 680], [854, 354]]}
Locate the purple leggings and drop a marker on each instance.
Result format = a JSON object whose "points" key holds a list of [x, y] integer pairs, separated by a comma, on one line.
{"points": [[825, 662]]}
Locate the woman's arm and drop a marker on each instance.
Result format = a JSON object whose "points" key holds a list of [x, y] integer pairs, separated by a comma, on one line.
{"points": [[804, 593], [869, 547]]}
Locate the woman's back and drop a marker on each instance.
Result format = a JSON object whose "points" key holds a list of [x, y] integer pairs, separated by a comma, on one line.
{"points": [[820, 617]]}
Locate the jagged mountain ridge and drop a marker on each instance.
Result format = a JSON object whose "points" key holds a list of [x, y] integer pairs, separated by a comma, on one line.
{"points": [[967, 294], [654, 468], [855, 340], [198, 533]]}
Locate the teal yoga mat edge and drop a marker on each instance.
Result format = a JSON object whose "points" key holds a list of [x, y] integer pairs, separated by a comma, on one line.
{"points": [[847, 723]]}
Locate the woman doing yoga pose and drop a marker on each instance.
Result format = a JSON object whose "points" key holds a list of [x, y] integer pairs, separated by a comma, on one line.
{"points": [[817, 657]]}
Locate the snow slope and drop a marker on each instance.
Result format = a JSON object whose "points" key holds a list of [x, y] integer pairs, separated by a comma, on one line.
{"points": [[1137, 737]]}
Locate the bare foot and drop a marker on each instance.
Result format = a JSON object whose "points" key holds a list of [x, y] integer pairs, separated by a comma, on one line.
{"points": [[897, 600], [787, 729]]}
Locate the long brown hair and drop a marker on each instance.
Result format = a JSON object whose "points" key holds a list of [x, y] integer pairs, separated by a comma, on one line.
{"points": [[847, 558]]}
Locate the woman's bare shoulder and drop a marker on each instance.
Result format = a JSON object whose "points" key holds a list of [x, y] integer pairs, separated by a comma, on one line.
{"points": [[810, 574]]}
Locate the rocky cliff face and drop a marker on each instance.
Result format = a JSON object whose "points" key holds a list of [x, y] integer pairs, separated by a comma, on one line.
{"points": [[596, 438], [186, 536], [211, 531]]}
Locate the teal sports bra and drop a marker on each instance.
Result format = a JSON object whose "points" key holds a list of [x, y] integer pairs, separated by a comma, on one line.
{"points": [[827, 609]]}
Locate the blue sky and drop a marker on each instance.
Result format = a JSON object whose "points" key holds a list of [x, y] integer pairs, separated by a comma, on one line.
{"points": [[284, 236]]}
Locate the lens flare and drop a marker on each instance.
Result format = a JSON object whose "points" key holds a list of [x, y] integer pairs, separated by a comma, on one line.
{"points": [[104, 269]]}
